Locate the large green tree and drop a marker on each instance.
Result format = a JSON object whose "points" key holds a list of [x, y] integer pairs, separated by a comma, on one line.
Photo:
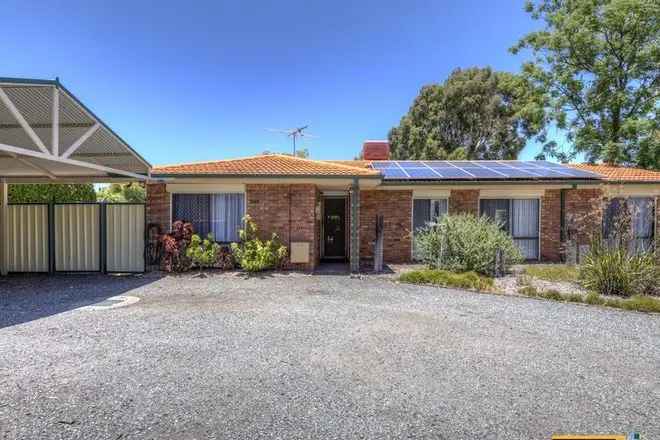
{"points": [[122, 192], [45, 193], [599, 63], [476, 113]]}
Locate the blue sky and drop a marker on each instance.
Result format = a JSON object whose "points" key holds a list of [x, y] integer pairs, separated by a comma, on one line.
{"points": [[203, 80]]}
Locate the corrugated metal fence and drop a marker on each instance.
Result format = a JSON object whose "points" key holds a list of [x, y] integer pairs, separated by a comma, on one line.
{"points": [[76, 237]]}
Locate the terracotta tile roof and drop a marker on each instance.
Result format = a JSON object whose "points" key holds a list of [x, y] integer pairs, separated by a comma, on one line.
{"points": [[352, 163], [265, 165], [619, 173]]}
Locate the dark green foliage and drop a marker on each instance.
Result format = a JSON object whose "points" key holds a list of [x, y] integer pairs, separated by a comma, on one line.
{"points": [[463, 243], [50, 192], [598, 62], [122, 192], [476, 114], [465, 280]]}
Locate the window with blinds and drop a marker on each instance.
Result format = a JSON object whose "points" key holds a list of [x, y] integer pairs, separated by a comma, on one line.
{"points": [[218, 214]]}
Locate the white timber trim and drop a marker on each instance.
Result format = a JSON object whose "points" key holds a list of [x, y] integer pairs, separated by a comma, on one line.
{"points": [[631, 190], [33, 165], [69, 151], [55, 142], [430, 193], [93, 166], [205, 188], [22, 122], [512, 193]]}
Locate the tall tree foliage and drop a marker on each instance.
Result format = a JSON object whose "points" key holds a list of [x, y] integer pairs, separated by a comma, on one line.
{"points": [[122, 192], [476, 113], [599, 61], [45, 193]]}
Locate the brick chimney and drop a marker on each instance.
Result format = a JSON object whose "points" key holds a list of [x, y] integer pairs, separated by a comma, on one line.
{"points": [[376, 150]]}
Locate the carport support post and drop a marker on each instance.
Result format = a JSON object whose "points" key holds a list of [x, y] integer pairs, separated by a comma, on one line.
{"points": [[4, 246], [355, 239]]}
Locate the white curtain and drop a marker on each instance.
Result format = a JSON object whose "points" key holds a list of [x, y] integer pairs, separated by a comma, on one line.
{"points": [[227, 211], [525, 226]]}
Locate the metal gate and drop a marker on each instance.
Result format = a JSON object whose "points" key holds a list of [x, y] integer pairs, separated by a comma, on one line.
{"points": [[76, 237], [27, 233], [125, 239]]}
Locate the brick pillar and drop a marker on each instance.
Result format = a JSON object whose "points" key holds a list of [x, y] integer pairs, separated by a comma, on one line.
{"points": [[158, 206], [464, 201], [396, 209], [354, 224], [551, 225], [584, 214]]}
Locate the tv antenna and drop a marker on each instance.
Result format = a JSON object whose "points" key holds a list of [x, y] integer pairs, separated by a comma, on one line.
{"points": [[294, 134]]}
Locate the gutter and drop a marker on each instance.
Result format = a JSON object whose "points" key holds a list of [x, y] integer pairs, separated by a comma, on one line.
{"points": [[262, 176], [490, 181]]}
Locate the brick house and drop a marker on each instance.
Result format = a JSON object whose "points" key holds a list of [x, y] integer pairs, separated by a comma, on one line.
{"points": [[327, 210]]}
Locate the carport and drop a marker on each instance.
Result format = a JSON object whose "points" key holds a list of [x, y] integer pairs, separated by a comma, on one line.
{"points": [[48, 136]]}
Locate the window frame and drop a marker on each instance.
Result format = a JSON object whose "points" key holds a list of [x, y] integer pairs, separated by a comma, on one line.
{"points": [[210, 193], [626, 200], [412, 217], [509, 224]]}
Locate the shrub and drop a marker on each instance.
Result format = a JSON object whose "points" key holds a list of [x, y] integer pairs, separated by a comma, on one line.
{"points": [[574, 297], [203, 253], [463, 243], [466, 280], [175, 242], [224, 259], [552, 294], [255, 255], [615, 271], [528, 291], [594, 299]]}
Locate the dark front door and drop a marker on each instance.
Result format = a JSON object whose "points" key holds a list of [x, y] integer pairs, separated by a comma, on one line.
{"points": [[334, 228]]}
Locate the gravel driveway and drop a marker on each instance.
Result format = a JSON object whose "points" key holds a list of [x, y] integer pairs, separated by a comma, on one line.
{"points": [[300, 356]]}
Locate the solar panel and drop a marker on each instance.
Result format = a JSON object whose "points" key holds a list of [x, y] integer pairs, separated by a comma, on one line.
{"points": [[478, 170]]}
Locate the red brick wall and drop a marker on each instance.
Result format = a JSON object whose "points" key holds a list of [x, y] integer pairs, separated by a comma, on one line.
{"points": [[584, 213], [158, 206], [396, 208], [464, 201], [269, 207], [551, 225]]}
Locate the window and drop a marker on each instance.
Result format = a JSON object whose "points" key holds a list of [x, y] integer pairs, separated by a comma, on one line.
{"points": [[518, 217], [642, 214], [426, 211], [219, 214]]}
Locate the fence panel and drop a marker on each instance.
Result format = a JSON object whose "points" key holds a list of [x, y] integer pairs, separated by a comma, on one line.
{"points": [[77, 238], [125, 238], [27, 236]]}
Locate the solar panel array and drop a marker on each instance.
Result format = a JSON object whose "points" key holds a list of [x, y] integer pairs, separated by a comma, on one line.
{"points": [[478, 170]]}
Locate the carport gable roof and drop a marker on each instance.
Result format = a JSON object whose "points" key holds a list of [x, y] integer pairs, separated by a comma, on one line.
{"points": [[46, 132], [269, 165]]}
